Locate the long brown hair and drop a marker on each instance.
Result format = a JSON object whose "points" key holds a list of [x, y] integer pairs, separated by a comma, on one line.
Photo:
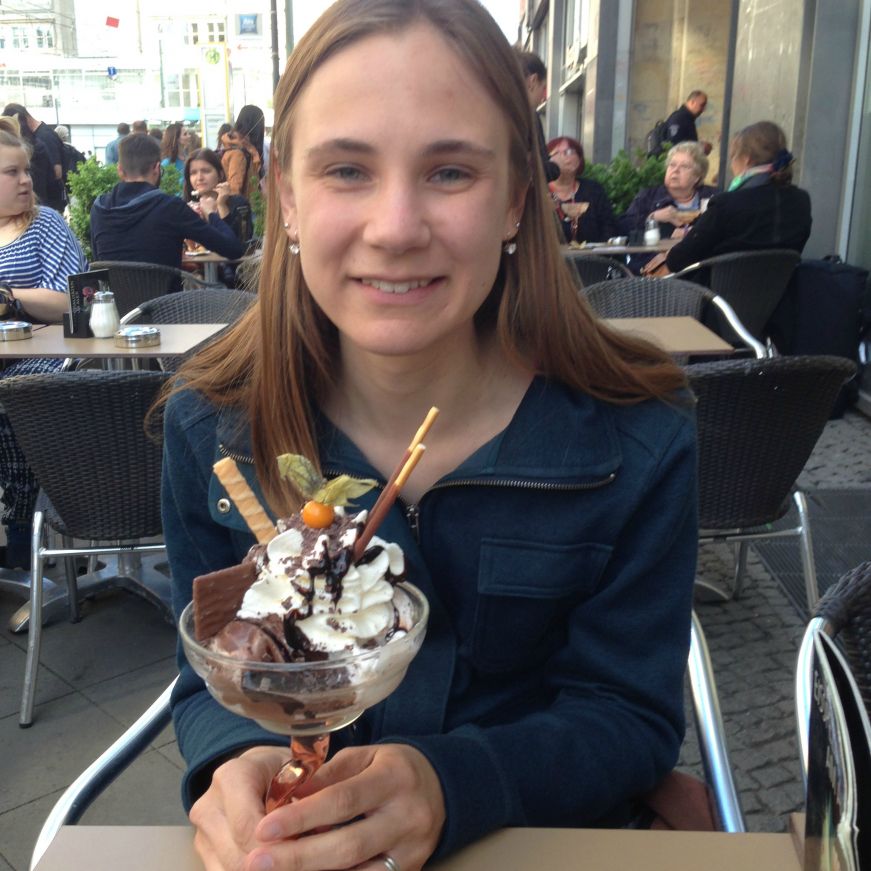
{"points": [[171, 143], [279, 360], [764, 142]]}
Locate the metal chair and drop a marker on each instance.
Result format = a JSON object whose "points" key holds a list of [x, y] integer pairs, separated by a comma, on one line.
{"points": [[758, 421], [83, 434], [134, 283], [591, 268], [752, 282], [654, 297], [90, 784], [844, 614]]}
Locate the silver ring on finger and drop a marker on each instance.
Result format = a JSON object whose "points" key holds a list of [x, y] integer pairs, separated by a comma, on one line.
{"points": [[390, 864]]}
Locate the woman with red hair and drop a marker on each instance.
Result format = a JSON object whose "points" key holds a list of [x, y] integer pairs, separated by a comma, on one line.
{"points": [[582, 205]]}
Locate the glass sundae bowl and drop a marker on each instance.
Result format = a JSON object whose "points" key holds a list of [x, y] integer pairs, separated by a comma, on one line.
{"points": [[307, 700]]}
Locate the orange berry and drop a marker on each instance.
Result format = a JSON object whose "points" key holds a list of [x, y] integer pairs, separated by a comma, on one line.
{"points": [[317, 515]]}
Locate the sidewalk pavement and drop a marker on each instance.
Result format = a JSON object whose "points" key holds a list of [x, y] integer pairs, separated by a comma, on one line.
{"points": [[97, 676]]}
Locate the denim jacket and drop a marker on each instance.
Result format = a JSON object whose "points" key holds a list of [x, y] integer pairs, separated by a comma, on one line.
{"points": [[558, 560]]}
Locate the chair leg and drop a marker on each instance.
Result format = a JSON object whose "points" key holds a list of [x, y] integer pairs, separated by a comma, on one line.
{"points": [[711, 732], [34, 628], [72, 585], [740, 569], [807, 551]]}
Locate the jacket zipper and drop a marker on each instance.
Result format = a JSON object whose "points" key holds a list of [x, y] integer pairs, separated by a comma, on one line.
{"points": [[412, 510]]}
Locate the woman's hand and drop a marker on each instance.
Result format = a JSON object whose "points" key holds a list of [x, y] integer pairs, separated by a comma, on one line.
{"points": [[208, 206], [667, 215], [228, 813], [222, 189], [365, 803]]}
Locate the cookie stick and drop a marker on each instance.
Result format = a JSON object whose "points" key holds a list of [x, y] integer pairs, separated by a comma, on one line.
{"points": [[242, 496]]}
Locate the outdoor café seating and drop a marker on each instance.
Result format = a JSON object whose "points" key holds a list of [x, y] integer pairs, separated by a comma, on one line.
{"points": [[592, 268], [134, 283], [752, 282], [758, 421], [655, 297], [83, 435]]}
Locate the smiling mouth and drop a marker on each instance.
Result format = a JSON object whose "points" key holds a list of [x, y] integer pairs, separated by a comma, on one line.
{"points": [[397, 287]]}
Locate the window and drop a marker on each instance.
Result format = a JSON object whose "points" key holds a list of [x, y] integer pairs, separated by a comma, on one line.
{"points": [[181, 89], [20, 37], [576, 33], [199, 32], [44, 37]]}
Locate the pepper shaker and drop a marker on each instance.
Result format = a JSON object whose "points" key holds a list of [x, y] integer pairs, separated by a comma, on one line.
{"points": [[104, 319]]}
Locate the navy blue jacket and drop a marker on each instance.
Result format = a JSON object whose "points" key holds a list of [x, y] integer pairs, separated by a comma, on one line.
{"points": [[138, 221], [558, 561], [649, 200]]}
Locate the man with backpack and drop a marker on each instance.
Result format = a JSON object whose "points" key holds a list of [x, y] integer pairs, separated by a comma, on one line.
{"points": [[680, 126]]}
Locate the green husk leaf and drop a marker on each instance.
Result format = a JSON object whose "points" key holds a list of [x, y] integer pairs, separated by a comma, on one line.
{"points": [[341, 490], [300, 471]]}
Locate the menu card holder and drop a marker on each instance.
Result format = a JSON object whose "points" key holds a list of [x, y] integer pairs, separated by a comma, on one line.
{"points": [[82, 286], [839, 767]]}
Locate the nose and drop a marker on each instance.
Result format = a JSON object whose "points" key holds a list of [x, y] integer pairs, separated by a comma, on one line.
{"points": [[397, 220]]}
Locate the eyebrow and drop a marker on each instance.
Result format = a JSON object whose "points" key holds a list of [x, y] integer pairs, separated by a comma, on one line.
{"points": [[442, 146]]}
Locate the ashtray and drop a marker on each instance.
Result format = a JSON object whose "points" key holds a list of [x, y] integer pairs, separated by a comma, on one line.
{"points": [[137, 337], [13, 331], [618, 240]]}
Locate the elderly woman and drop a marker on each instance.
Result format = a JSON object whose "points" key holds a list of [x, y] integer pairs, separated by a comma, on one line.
{"points": [[762, 208], [677, 201], [582, 205], [37, 253]]}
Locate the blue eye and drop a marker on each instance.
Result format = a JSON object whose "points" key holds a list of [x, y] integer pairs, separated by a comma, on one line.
{"points": [[451, 174], [346, 173]]}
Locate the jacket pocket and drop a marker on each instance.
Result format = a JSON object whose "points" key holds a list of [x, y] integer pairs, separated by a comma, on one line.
{"points": [[526, 592]]}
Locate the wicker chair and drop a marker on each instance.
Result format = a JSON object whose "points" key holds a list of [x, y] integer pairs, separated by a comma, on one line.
{"points": [[758, 421], [844, 614], [200, 305], [752, 282], [591, 268], [654, 297], [83, 435], [134, 283]]}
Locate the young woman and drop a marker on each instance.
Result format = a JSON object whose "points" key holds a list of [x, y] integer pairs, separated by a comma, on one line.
{"points": [[204, 178], [411, 261], [582, 205], [242, 151], [173, 146], [761, 209], [37, 253]]}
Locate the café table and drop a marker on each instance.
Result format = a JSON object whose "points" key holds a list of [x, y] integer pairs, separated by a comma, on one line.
{"points": [[603, 248], [155, 848], [676, 335], [209, 260], [49, 341]]}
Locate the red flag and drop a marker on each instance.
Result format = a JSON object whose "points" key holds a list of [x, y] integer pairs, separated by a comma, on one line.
{"points": [[112, 22]]}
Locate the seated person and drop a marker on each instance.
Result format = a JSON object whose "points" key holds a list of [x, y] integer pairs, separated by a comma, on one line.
{"points": [[204, 179], [38, 251], [762, 208], [582, 205], [138, 221], [411, 262], [675, 203]]}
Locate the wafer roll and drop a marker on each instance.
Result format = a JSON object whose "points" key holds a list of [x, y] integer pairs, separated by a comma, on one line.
{"points": [[242, 496]]}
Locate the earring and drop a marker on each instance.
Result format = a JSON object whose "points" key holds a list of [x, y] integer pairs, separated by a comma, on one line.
{"points": [[286, 225], [293, 248], [510, 247]]}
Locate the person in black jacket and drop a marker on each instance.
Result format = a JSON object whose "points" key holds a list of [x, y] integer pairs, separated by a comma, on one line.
{"points": [[138, 221], [582, 205], [762, 208], [535, 73], [680, 126]]}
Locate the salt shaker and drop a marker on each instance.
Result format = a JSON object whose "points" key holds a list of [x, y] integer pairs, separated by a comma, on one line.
{"points": [[104, 319], [651, 232]]}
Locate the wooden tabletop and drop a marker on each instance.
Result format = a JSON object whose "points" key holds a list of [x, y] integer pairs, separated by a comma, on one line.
{"points": [[677, 335], [157, 848], [49, 341], [609, 250]]}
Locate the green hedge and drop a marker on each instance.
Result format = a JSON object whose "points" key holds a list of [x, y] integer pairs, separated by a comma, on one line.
{"points": [[624, 176]]}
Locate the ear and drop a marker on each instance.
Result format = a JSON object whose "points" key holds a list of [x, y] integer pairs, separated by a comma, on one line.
{"points": [[515, 214], [287, 201], [119, 171]]}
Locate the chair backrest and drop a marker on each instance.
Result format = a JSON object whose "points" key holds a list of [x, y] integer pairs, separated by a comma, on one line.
{"points": [[199, 305], [752, 282], [83, 435], [591, 268], [647, 298], [758, 421], [133, 283]]}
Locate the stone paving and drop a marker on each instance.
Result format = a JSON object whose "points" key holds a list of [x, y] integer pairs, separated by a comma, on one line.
{"points": [[754, 642]]}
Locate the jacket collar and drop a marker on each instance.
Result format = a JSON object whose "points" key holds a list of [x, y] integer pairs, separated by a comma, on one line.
{"points": [[557, 435]]}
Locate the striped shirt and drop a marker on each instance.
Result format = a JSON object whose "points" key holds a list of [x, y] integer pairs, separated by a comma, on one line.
{"points": [[44, 255]]}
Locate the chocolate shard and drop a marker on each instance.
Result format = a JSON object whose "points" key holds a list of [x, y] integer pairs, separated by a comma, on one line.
{"points": [[217, 597]]}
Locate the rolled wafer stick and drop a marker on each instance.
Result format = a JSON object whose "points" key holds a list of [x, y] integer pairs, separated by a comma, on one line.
{"points": [[383, 505], [419, 436], [247, 504]]}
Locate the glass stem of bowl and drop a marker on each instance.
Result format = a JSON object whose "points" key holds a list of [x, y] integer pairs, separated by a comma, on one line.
{"points": [[307, 755]]}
